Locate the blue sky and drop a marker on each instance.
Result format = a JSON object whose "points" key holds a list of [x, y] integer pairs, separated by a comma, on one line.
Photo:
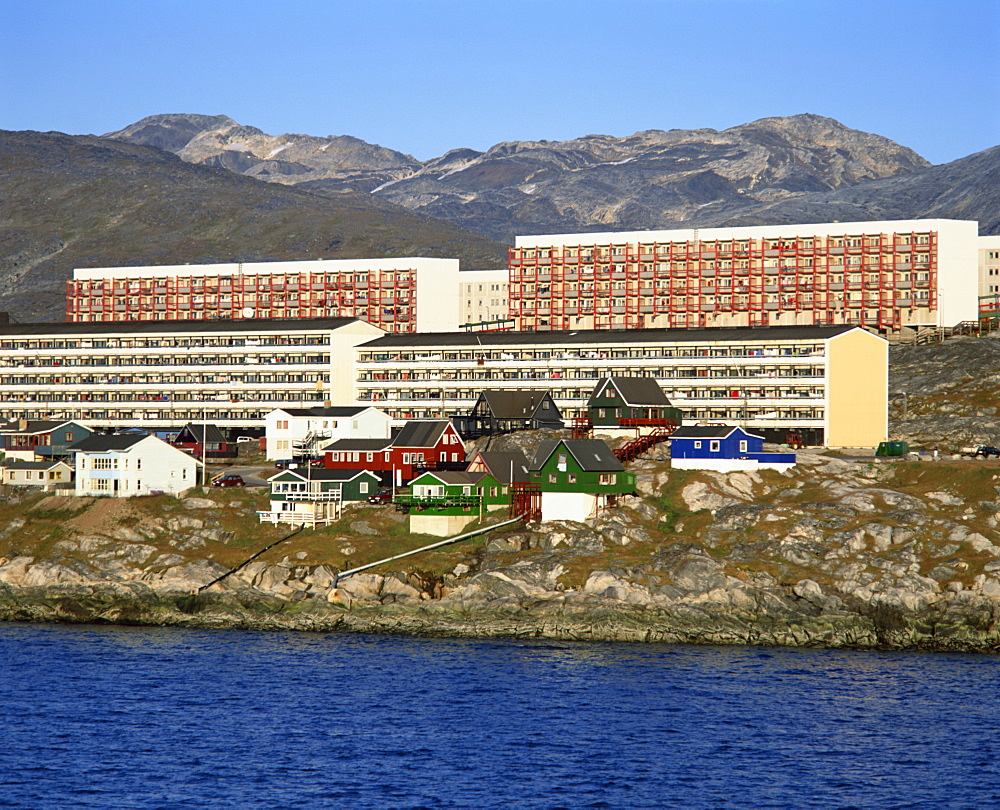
{"points": [[425, 76]]}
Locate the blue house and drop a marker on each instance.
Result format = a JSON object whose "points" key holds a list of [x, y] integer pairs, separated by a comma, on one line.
{"points": [[724, 448]]}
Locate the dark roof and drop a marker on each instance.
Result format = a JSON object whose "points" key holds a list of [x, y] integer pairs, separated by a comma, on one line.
{"points": [[609, 336], [708, 432], [592, 455], [34, 426], [166, 327], [369, 445], [420, 433], [319, 474], [339, 410], [643, 391], [99, 442], [198, 432], [457, 478], [17, 464], [500, 464], [516, 404]]}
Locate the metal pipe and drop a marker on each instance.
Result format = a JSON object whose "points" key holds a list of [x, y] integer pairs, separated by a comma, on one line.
{"points": [[455, 539]]}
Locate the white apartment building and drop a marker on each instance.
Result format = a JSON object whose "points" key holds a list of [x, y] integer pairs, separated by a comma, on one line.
{"points": [[164, 374], [412, 294], [886, 275], [989, 276], [830, 384]]}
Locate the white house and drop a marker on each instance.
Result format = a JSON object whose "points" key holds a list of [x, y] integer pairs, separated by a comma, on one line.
{"points": [[293, 431], [47, 475], [123, 466]]}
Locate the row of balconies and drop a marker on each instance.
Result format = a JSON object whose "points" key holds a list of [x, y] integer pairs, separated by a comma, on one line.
{"points": [[82, 288]]}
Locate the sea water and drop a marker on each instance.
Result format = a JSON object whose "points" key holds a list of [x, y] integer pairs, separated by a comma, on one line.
{"points": [[107, 717]]}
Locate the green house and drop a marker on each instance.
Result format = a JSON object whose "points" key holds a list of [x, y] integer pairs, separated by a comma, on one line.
{"points": [[455, 493], [578, 478], [443, 503], [316, 496], [630, 402]]}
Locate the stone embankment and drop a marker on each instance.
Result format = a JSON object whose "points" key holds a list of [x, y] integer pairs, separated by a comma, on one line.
{"points": [[837, 552]]}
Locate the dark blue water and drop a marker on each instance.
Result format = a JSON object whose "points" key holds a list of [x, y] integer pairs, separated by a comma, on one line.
{"points": [[120, 717]]}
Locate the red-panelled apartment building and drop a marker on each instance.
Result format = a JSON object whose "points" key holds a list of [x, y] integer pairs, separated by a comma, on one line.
{"points": [[885, 275]]}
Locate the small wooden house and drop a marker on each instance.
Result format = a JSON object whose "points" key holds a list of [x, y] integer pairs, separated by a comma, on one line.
{"points": [[578, 477], [46, 475], [504, 411], [205, 441], [41, 440], [126, 465], [420, 445], [633, 402], [442, 503], [725, 448], [314, 497]]}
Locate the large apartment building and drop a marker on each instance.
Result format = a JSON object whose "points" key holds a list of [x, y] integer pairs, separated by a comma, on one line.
{"points": [[883, 275], [396, 295], [830, 384], [164, 374]]}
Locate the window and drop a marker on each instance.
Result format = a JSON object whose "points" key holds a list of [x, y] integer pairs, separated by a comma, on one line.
{"points": [[743, 445], [553, 478], [713, 446], [571, 478], [697, 445], [364, 487]]}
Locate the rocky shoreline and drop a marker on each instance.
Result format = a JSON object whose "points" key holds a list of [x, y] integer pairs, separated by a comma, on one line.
{"points": [[840, 553]]}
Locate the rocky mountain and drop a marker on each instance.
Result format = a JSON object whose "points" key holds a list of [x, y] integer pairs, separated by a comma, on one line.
{"points": [[651, 179], [81, 201]]}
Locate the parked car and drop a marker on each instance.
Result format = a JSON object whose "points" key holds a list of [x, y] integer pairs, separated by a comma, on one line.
{"points": [[382, 496], [286, 464], [229, 480], [245, 439], [980, 451]]}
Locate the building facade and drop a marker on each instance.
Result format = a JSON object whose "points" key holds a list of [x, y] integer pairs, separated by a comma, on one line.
{"points": [[292, 432], [989, 276], [828, 383], [164, 374], [397, 295], [125, 466], [884, 275], [483, 295]]}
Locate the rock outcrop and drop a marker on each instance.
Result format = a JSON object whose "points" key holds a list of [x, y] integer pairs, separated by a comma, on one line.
{"points": [[837, 552]]}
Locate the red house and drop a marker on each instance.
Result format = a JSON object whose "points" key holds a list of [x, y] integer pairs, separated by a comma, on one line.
{"points": [[418, 446]]}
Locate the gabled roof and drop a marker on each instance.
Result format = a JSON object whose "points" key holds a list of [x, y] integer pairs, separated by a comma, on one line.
{"points": [[17, 464], [455, 478], [517, 404], [635, 391], [592, 455], [420, 433], [198, 432], [324, 475], [355, 445], [338, 410], [708, 432], [100, 443], [500, 464], [36, 426]]}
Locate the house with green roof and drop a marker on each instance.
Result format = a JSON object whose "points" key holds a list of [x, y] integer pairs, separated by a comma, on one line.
{"points": [[444, 502], [578, 478]]}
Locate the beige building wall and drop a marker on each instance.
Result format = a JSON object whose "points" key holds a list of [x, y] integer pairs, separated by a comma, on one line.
{"points": [[857, 408], [483, 295], [989, 265]]}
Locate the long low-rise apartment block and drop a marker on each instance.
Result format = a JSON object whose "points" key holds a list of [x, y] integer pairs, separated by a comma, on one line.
{"points": [[829, 384], [414, 294], [164, 374], [888, 276]]}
